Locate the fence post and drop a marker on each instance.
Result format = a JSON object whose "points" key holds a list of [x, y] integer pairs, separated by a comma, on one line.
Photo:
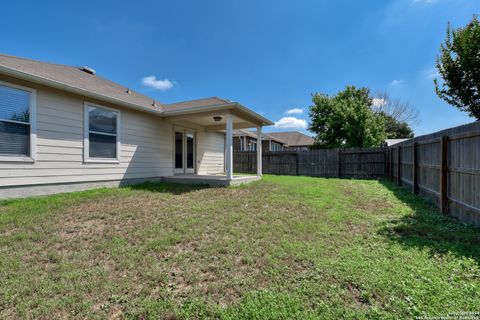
{"points": [[385, 159], [339, 162], [390, 160], [415, 167], [443, 174], [389, 164], [399, 165], [296, 162]]}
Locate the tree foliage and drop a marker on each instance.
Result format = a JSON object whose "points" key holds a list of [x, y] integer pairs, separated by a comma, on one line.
{"points": [[400, 111], [459, 67], [346, 120], [397, 115], [395, 129]]}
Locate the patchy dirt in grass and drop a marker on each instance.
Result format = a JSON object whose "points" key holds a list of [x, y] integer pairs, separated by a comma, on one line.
{"points": [[356, 228], [371, 205], [356, 294], [363, 202], [74, 229], [115, 313]]}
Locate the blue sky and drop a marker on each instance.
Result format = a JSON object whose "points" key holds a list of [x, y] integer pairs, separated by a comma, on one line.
{"points": [[268, 55]]}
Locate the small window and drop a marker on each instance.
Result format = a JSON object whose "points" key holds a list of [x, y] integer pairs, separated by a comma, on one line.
{"points": [[102, 133], [16, 121]]}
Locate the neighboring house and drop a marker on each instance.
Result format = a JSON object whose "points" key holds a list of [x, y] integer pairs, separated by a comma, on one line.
{"points": [[64, 128], [391, 142], [294, 140], [245, 140]]}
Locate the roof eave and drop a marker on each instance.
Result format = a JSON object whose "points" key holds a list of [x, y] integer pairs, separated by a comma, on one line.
{"points": [[265, 121], [72, 89], [219, 107]]}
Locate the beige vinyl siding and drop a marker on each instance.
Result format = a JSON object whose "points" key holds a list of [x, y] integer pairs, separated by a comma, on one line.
{"points": [[210, 152], [146, 149]]}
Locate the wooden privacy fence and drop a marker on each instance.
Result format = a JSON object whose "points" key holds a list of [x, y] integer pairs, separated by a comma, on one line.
{"points": [[363, 163], [443, 167]]}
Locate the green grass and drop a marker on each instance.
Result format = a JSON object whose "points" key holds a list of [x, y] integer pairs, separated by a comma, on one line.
{"points": [[280, 248]]}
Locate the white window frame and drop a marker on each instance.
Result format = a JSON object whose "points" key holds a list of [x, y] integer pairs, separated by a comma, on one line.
{"points": [[251, 145], [32, 123], [275, 146], [86, 132]]}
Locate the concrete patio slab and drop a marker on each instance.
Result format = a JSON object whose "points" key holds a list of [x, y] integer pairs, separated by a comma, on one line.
{"points": [[212, 180]]}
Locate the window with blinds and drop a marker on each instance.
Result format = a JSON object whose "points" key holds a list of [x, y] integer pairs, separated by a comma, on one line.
{"points": [[15, 124], [102, 133], [276, 146]]}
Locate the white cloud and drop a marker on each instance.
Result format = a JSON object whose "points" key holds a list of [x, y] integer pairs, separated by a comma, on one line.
{"points": [[291, 123], [162, 85], [378, 102], [294, 111], [397, 82]]}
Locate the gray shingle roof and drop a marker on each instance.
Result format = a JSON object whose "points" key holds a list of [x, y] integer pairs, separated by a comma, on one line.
{"points": [[73, 79], [293, 138], [76, 78], [198, 103]]}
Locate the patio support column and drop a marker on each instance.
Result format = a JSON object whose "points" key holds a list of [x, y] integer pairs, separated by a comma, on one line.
{"points": [[259, 151], [229, 146]]}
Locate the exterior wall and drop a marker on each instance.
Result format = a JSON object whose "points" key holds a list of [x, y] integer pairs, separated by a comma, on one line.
{"points": [[269, 145], [297, 148], [237, 146], [210, 152], [237, 143], [265, 144], [146, 145]]}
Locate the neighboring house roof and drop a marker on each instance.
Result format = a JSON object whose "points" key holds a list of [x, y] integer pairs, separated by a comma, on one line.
{"points": [[293, 138], [253, 134], [391, 142], [73, 79]]}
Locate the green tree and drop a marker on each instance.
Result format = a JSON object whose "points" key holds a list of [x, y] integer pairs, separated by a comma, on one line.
{"points": [[459, 67], [345, 120], [395, 129]]}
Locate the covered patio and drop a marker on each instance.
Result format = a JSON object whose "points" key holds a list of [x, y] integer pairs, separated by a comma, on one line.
{"points": [[221, 116]]}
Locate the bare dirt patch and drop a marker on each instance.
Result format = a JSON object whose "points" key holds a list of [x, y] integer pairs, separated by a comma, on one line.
{"points": [[356, 294]]}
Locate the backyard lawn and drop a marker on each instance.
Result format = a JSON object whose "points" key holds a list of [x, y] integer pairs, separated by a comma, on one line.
{"points": [[280, 248]]}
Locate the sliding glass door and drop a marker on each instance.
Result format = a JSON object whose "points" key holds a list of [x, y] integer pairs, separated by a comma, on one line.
{"points": [[190, 152], [185, 150]]}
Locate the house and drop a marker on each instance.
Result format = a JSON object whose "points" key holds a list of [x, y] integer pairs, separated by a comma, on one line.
{"points": [[391, 142], [294, 140], [64, 128], [245, 140]]}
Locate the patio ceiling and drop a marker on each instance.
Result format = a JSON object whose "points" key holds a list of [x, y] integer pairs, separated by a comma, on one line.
{"points": [[213, 118]]}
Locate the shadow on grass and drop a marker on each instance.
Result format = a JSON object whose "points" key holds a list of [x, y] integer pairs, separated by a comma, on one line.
{"points": [[163, 187], [427, 228]]}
